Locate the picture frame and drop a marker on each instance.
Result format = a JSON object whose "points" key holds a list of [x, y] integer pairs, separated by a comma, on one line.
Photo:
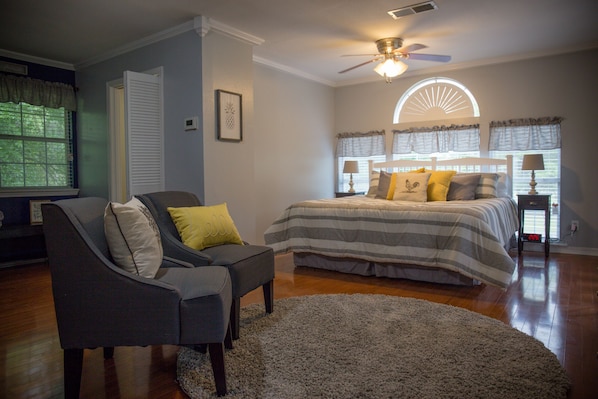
{"points": [[35, 211], [229, 116]]}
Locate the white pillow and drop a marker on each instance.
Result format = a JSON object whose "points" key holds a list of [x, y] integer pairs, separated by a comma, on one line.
{"points": [[133, 237], [412, 187]]}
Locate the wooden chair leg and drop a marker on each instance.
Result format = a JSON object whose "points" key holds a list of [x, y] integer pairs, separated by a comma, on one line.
{"points": [[228, 339], [73, 367], [269, 296], [235, 314], [108, 352], [217, 360]]}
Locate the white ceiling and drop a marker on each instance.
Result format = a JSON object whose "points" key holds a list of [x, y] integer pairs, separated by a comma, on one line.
{"points": [[309, 36]]}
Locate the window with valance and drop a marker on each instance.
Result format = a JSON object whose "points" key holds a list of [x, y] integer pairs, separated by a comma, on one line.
{"points": [[36, 134]]}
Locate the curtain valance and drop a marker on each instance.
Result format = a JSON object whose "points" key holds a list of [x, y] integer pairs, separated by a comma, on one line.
{"points": [[357, 144], [525, 134], [428, 140], [18, 89]]}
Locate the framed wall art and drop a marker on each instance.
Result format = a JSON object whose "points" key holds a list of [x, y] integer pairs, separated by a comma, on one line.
{"points": [[229, 118], [35, 211]]}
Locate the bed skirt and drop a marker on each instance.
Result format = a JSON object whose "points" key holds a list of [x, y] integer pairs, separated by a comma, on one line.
{"points": [[390, 270]]}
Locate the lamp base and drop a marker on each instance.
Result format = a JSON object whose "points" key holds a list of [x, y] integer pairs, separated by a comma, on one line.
{"points": [[351, 189], [533, 184]]}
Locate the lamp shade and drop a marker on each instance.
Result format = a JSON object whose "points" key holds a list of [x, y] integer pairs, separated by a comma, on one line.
{"points": [[533, 162], [351, 167]]}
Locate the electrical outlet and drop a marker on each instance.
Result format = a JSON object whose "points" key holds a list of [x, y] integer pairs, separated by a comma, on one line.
{"points": [[574, 226]]}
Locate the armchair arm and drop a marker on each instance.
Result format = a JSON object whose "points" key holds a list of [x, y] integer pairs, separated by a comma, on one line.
{"points": [[167, 262], [174, 248]]}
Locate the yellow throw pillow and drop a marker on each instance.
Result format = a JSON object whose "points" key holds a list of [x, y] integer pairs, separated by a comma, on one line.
{"points": [[393, 183], [205, 226], [439, 183]]}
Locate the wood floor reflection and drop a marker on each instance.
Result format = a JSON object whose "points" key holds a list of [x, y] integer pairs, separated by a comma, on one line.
{"points": [[554, 300]]}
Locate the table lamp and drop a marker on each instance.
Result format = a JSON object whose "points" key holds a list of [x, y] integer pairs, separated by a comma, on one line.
{"points": [[351, 167], [533, 162]]}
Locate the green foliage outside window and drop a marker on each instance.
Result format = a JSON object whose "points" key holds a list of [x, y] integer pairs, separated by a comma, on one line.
{"points": [[35, 147]]}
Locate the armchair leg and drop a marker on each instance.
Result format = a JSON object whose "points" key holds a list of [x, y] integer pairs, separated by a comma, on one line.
{"points": [[269, 296], [73, 367], [228, 339], [235, 314], [108, 352], [217, 360]]}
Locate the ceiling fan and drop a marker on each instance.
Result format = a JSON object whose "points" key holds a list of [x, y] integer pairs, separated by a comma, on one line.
{"points": [[391, 52]]}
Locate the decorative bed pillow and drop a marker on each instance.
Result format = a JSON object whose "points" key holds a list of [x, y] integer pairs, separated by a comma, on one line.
{"points": [[374, 181], [411, 187], [487, 186], [133, 237], [205, 226], [438, 185], [393, 182], [383, 185], [463, 187]]}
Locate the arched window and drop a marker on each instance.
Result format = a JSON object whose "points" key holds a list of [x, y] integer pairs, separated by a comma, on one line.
{"points": [[435, 99]]}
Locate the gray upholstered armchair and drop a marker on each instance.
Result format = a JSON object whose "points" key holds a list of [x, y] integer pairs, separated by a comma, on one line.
{"points": [[100, 305], [250, 266]]}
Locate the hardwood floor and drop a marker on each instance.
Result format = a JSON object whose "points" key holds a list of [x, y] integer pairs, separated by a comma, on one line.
{"points": [[554, 300]]}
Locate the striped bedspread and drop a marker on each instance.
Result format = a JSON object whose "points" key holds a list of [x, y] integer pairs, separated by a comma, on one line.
{"points": [[468, 237]]}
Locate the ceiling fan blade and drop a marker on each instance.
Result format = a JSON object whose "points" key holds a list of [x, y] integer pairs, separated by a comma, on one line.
{"points": [[429, 57], [410, 48], [359, 65], [359, 55]]}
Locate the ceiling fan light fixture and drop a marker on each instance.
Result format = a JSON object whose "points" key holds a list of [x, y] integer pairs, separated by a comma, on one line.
{"points": [[390, 68]]}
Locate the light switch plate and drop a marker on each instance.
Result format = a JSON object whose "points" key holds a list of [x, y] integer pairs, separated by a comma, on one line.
{"points": [[191, 123]]}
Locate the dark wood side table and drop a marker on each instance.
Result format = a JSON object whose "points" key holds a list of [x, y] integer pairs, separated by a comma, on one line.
{"points": [[536, 202], [340, 194]]}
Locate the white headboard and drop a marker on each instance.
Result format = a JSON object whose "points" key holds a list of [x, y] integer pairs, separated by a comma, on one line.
{"points": [[461, 165]]}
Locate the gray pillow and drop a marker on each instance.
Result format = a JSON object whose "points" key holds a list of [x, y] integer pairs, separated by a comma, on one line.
{"points": [[463, 187], [383, 185]]}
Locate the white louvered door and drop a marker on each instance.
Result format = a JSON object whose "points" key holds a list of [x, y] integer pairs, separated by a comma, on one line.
{"points": [[144, 132]]}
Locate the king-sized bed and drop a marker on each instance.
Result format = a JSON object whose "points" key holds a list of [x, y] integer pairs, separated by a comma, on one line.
{"points": [[452, 239]]}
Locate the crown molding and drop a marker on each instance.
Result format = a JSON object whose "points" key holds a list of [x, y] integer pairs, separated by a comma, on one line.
{"points": [[292, 71], [36, 60], [203, 25], [156, 37]]}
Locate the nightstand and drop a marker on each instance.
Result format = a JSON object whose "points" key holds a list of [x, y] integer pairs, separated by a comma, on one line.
{"points": [[534, 203], [340, 194]]}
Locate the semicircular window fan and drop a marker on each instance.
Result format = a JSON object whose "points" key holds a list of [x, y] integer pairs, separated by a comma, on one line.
{"points": [[391, 53]]}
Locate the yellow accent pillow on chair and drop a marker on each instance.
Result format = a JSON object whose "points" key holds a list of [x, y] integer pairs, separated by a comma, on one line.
{"points": [[205, 226]]}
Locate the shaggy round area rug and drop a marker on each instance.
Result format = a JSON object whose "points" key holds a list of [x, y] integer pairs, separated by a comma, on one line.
{"points": [[376, 346]]}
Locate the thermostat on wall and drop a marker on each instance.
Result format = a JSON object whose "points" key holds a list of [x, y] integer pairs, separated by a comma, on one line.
{"points": [[191, 123]]}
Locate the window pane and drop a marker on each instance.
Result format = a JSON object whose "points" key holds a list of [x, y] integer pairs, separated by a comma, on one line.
{"points": [[57, 175], [56, 153], [35, 151], [55, 123], [11, 150], [12, 175], [10, 119], [35, 175]]}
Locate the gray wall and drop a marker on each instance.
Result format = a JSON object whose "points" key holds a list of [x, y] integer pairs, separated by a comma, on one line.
{"points": [[294, 148], [564, 85], [181, 59]]}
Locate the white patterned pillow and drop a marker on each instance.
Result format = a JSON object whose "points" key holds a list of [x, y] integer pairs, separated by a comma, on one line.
{"points": [[487, 186], [133, 237], [412, 187], [374, 180]]}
